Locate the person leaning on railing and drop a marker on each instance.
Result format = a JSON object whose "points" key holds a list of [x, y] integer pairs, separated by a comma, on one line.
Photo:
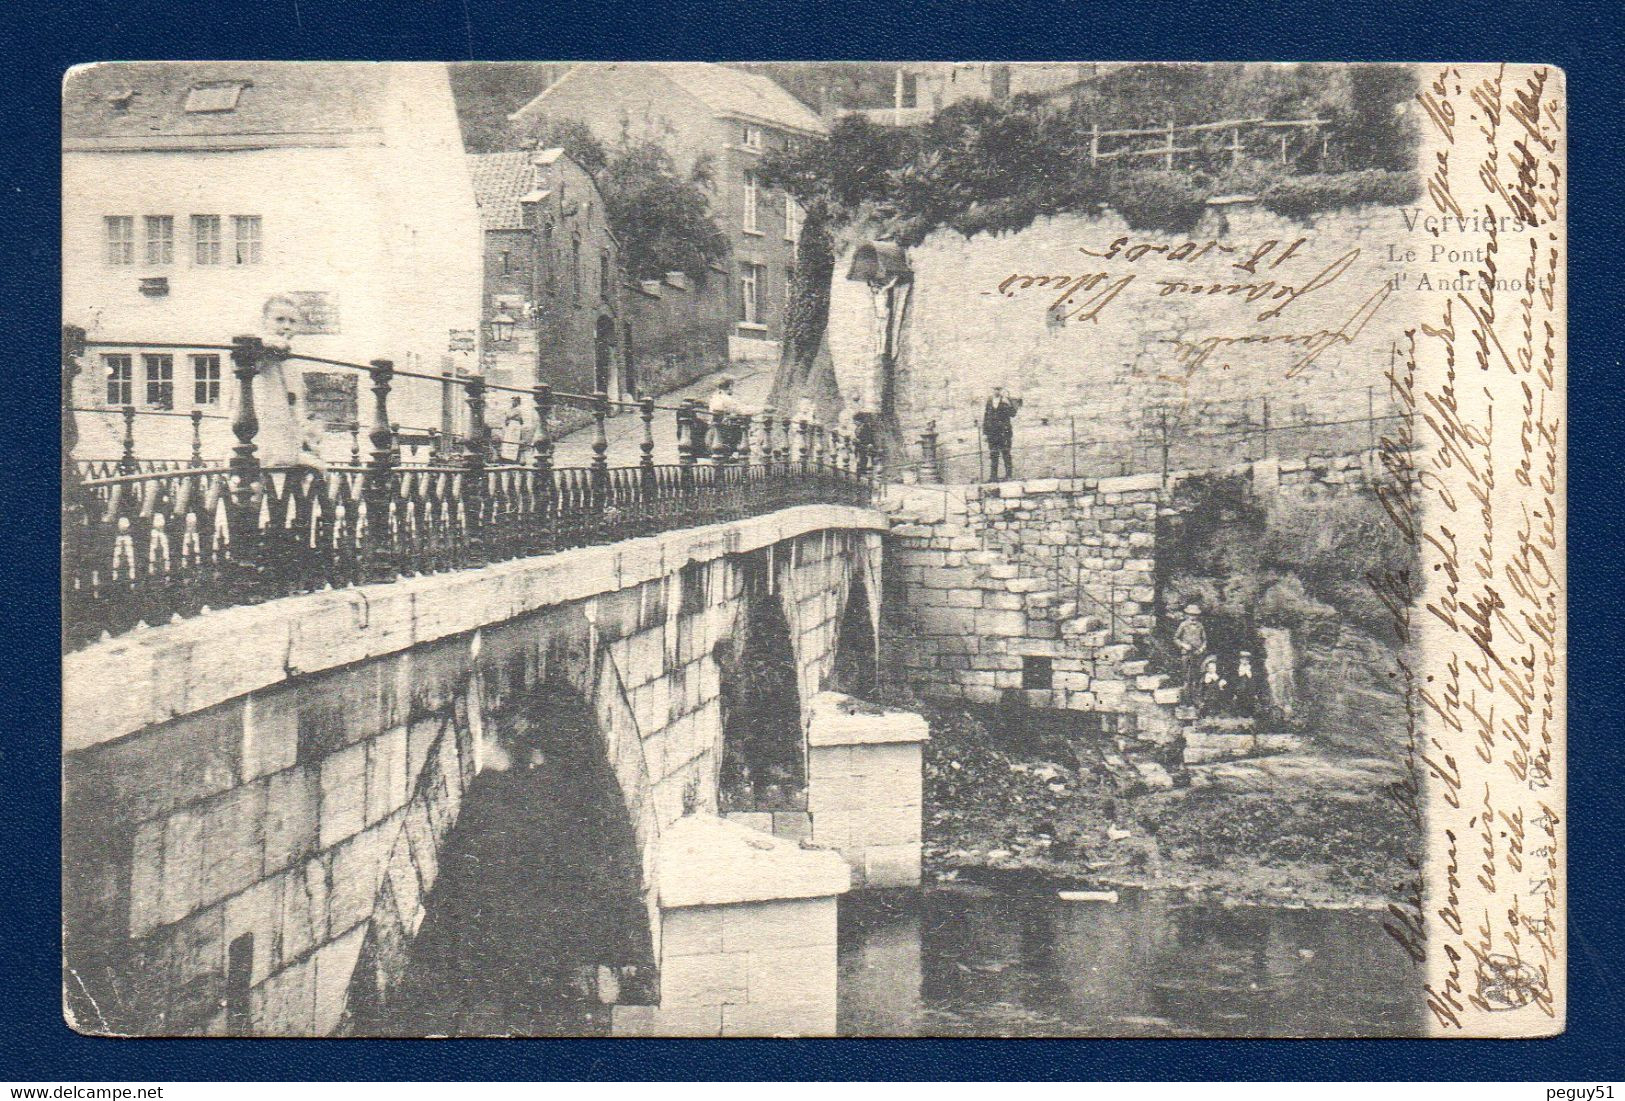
{"points": [[288, 436], [858, 424], [726, 414]]}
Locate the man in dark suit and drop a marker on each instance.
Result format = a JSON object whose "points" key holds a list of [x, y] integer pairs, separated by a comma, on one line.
{"points": [[997, 416]]}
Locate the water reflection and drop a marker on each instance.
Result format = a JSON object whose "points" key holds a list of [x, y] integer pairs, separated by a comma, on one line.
{"points": [[956, 964]]}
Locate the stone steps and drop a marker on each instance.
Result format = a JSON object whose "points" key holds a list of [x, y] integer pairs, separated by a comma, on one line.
{"points": [[1143, 704]]}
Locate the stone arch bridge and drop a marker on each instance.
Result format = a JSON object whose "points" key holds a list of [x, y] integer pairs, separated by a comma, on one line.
{"points": [[257, 801]]}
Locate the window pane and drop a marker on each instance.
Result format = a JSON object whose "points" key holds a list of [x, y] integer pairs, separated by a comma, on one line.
{"points": [[206, 380], [160, 238], [750, 276], [119, 374], [160, 371], [246, 229], [120, 230], [750, 202], [206, 238]]}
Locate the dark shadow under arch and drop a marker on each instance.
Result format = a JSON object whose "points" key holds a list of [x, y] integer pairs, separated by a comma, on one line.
{"points": [[855, 670], [763, 751], [536, 920]]}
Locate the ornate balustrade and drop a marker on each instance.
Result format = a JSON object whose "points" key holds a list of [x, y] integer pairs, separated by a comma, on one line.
{"points": [[147, 546]]}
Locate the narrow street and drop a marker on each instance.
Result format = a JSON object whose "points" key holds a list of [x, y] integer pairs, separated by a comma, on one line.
{"points": [[752, 382]]}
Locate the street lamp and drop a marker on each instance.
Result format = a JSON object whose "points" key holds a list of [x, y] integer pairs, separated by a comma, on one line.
{"points": [[502, 328]]}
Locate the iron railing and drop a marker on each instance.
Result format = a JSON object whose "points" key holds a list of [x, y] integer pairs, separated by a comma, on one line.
{"points": [[1163, 443], [146, 547]]}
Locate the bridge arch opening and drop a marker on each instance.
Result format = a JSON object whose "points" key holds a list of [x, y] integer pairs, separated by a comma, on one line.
{"points": [[855, 671], [536, 925], [764, 756]]}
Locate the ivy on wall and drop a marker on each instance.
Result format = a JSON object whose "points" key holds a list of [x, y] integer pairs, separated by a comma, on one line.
{"points": [[984, 167]]}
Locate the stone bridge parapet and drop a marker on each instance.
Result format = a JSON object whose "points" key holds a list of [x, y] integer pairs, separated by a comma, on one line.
{"points": [[256, 799]]}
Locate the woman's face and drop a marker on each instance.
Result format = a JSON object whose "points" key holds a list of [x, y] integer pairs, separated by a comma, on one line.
{"points": [[281, 319]]}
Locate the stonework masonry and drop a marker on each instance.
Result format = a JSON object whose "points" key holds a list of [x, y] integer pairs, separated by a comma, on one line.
{"points": [[290, 770], [989, 579], [992, 587], [1103, 381], [864, 787], [748, 943]]}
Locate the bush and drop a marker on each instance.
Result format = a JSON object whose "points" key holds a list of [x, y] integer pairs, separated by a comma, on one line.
{"points": [[1334, 546], [1286, 604], [1302, 196], [1170, 202], [1302, 565]]}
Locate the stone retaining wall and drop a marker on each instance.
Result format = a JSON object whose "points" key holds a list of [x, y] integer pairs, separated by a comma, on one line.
{"points": [[992, 590], [1100, 383]]}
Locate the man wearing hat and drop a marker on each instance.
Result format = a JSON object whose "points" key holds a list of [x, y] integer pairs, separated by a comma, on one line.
{"points": [[997, 416], [1191, 639]]}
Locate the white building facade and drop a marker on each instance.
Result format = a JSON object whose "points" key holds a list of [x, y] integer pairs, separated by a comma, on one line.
{"points": [[195, 193]]}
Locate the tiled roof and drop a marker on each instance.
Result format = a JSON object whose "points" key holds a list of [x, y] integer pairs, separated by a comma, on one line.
{"points": [[722, 90], [500, 181], [735, 92], [133, 105]]}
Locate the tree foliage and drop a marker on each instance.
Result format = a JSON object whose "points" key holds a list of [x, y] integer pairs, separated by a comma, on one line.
{"points": [[663, 221], [571, 135], [486, 92], [661, 218], [983, 167]]}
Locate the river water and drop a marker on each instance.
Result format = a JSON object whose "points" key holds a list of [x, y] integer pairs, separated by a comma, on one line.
{"points": [[976, 962]]}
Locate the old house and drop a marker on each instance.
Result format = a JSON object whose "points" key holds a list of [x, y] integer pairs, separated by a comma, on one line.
{"points": [[195, 193], [552, 292], [720, 120], [922, 88]]}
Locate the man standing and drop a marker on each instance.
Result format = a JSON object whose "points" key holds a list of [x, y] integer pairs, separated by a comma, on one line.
{"points": [[996, 428], [1191, 639], [863, 434], [725, 413], [515, 432]]}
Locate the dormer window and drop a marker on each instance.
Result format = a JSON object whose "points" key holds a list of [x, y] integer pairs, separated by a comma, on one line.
{"points": [[214, 96]]}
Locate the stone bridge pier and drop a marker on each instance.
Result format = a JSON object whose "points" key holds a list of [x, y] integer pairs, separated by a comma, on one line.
{"points": [[262, 804]]}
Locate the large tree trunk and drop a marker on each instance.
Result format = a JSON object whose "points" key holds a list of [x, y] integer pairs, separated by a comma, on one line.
{"points": [[806, 320]]}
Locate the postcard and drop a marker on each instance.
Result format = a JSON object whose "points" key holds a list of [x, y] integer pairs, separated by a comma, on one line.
{"points": [[814, 549]]}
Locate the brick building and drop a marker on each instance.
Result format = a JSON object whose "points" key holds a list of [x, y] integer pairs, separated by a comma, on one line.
{"points": [[551, 308], [707, 114]]}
